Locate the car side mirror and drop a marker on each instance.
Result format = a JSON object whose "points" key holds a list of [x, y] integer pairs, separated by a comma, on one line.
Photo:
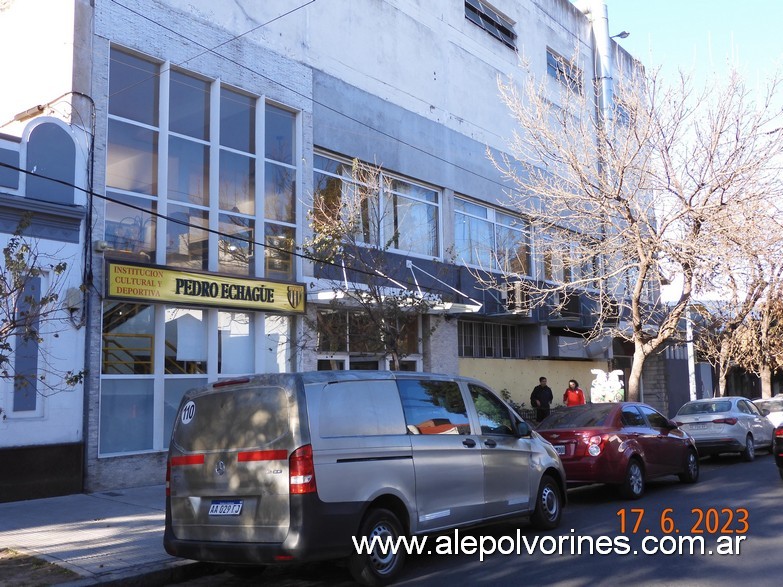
{"points": [[523, 429], [764, 412], [672, 424]]}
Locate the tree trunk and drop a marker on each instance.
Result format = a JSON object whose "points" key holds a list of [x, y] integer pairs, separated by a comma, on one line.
{"points": [[721, 382], [633, 393], [765, 375]]}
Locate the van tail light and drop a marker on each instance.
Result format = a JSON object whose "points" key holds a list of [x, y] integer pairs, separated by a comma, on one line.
{"points": [[729, 421], [301, 470], [595, 445], [178, 462]]}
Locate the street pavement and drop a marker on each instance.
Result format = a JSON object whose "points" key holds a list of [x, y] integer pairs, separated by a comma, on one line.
{"points": [[107, 538]]}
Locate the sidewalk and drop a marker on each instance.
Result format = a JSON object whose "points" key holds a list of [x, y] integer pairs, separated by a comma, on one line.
{"points": [[107, 538]]}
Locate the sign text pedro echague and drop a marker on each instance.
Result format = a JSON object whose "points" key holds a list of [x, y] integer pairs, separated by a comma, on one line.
{"points": [[152, 283]]}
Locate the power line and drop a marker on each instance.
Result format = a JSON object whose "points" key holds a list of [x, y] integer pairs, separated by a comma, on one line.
{"points": [[294, 251]]}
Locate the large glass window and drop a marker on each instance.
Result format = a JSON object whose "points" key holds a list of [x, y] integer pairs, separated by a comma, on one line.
{"points": [[208, 152], [385, 210], [153, 354], [488, 238]]}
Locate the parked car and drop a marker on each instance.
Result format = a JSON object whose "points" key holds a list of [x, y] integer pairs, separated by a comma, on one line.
{"points": [[726, 424], [772, 408], [622, 444], [778, 449], [290, 467]]}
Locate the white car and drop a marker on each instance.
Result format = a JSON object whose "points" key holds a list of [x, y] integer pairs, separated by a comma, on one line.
{"points": [[726, 424], [773, 407]]}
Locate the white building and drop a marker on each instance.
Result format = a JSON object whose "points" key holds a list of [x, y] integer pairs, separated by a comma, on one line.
{"points": [[41, 425], [214, 124]]}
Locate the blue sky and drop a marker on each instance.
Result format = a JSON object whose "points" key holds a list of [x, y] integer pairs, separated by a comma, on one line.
{"points": [[701, 36]]}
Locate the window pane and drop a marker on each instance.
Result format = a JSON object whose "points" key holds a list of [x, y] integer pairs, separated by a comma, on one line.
{"points": [[494, 416], [235, 255], [411, 226], [172, 395], [188, 171], [187, 243], [237, 121], [279, 135], [332, 331], [236, 343], [513, 253], [186, 341], [278, 261], [280, 193], [130, 229], [470, 208], [133, 88], [434, 407], [364, 335], [127, 409], [277, 344], [128, 338], [472, 241], [413, 190], [132, 158], [237, 183], [189, 106]]}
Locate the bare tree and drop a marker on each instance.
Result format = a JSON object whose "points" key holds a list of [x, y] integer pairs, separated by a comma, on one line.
{"points": [[649, 192], [368, 301], [27, 310]]}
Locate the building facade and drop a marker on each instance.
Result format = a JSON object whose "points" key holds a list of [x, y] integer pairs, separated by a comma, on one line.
{"points": [[216, 124], [43, 179]]}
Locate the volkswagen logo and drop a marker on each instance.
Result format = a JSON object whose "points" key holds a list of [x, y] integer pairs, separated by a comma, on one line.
{"points": [[220, 468]]}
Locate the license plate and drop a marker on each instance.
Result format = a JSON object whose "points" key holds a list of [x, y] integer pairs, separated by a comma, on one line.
{"points": [[225, 508], [560, 449], [697, 427]]}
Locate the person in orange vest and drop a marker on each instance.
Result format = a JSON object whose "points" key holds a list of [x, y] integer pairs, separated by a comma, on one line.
{"points": [[573, 396]]}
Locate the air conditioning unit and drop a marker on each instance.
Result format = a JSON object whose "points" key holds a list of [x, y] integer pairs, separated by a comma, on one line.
{"points": [[516, 299]]}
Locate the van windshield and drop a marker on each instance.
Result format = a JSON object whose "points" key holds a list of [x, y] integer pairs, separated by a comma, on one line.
{"points": [[238, 418]]}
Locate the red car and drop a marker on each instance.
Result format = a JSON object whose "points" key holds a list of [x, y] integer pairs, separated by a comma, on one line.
{"points": [[623, 444]]}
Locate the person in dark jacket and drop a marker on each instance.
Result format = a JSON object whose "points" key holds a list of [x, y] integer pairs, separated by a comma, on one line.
{"points": [[541, 399]]}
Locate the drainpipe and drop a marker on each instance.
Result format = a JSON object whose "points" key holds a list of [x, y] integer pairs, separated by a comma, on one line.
{"points": [[598, 13]]}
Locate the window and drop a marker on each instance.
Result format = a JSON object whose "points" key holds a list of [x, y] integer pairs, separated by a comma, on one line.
{"points": [[489, 340], [479, 13], [351, 340], [384, 211], [153, 354], [433, 407], [488, 238], [631, 417], [201, 137], [655, 419], [557, 256], [494, 417], [564, 71]]}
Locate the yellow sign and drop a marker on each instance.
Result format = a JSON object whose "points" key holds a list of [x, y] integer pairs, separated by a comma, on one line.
{"points": [[151, 283]]}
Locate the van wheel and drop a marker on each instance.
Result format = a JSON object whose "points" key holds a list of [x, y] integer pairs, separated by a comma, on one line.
{"points": [[377, 568], [549, 508], [633, 486], [691, 472], [750, 449]]}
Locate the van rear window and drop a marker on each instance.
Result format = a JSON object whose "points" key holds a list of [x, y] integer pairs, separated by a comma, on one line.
{"points": [[237, 418]]}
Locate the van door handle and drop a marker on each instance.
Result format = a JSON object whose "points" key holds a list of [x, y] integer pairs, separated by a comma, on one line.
{"points": [[469, 443], [490, 443]]}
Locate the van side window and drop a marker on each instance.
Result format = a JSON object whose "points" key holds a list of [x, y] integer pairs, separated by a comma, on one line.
{"points": [[493, 413], [433, 407]]}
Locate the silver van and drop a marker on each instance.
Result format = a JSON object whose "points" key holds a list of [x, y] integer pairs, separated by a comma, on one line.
{"points": [[290, 467]]}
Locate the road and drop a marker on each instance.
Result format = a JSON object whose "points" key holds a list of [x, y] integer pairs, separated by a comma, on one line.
{"points": [[735, 505]]}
